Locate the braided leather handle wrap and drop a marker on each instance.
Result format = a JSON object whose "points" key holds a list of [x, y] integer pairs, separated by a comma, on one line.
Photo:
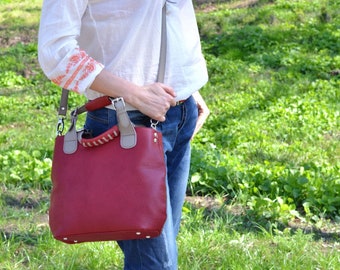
{"points": [[101, 139]]}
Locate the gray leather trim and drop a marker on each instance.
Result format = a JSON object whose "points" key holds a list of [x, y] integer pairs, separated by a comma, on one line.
{"points": [[128, 136], [71, 137]]}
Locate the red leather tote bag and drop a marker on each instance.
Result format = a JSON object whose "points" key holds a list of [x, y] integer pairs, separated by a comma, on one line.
{"points": [[105, 190]]}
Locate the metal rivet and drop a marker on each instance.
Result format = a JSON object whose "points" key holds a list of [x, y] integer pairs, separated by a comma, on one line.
{"points": [[75, 241], [148, 236], [65, 238], [138, 233]]}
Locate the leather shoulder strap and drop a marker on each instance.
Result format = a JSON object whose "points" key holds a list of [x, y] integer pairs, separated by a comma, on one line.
{"points": [[162, 56]]}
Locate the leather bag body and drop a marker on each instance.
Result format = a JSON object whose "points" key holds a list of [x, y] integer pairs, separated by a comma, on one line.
{"points": [[102, 191]]}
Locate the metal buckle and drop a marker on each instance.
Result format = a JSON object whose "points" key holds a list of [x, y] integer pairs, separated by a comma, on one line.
{"points": [[180, 102], [116, 100], [60, 125], [154, 124]]}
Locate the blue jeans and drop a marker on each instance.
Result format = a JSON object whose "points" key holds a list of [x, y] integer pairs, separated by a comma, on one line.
{"points": [[161, 252]]}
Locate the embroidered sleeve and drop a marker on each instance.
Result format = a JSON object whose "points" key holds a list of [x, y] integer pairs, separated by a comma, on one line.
{"points": [[59, 54], [80, 70]]}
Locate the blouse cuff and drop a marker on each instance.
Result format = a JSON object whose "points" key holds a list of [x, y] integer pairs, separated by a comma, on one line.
{"points": [[80, 73]]}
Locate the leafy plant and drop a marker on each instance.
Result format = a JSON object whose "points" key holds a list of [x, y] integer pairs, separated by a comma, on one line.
{"points": [[20, 168], [273, 139]]}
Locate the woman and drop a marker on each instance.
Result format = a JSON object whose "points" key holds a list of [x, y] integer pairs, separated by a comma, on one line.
{"points": [[112, 47]]}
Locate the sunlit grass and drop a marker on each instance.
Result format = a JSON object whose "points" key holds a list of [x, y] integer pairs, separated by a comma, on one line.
{"points": [[16, 14]]}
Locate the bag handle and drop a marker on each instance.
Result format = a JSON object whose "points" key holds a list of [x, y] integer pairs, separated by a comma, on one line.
{"points": [[105, 100], [128, 136]]}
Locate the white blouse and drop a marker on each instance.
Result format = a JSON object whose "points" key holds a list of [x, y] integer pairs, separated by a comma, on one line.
{"points": [[78, 38]]}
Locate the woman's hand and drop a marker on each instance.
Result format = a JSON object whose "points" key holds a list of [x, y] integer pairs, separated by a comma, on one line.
{"points": [[154, 100], [203, 111]]}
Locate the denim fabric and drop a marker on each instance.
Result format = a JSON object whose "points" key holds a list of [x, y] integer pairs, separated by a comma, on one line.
{"points": [[161, 252]]}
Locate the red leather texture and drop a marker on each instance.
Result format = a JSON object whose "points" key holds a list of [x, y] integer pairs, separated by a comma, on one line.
{"points": [[98, 103], [109, 193], [107, 136]]}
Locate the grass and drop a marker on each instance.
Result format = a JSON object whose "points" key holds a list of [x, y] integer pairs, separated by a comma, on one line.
{"points": [[274, 93], [212, 237], [266, 163]]}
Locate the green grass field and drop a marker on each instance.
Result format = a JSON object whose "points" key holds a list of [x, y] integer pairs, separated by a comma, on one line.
{"points": [[265, 178]]}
